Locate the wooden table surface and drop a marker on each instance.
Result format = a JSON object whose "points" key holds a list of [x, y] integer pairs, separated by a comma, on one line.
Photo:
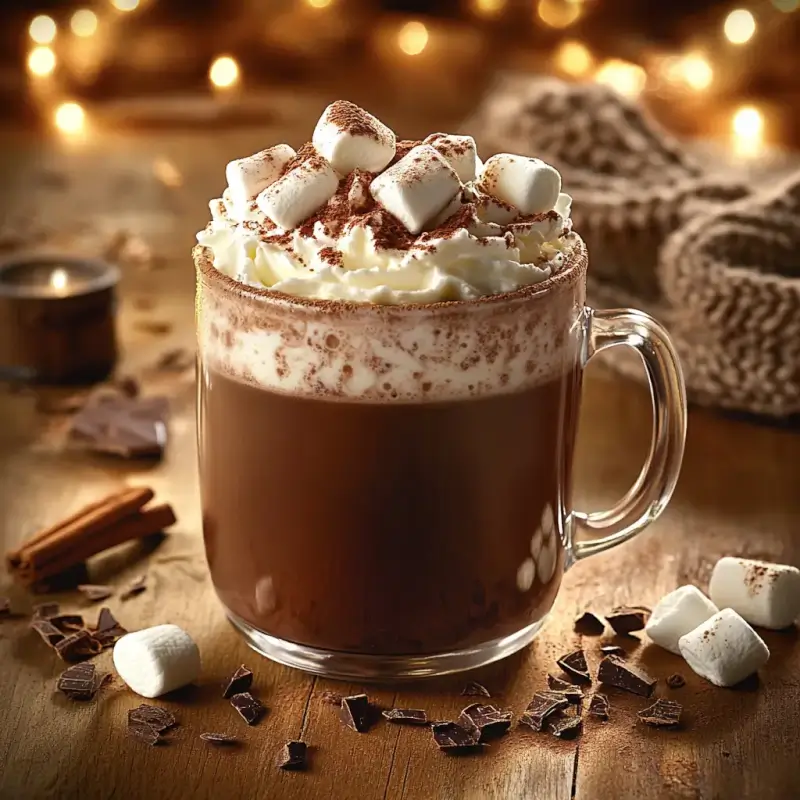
{"points": [[739, 494]]}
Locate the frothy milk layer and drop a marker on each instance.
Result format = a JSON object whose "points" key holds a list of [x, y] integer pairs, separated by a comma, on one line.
{"points": [[369, 353]]}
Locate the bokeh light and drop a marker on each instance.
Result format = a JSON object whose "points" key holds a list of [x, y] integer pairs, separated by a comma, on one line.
{"points": [[125, 5], [83, 22], [488, 8], [412, 38], [558, 13], [786, 5], [319, 3], [70, 118], [696, 72], [224, 72], [42, 29], [739, 27], [747, 127], [573, 58], [622, 76], [41, 61]]}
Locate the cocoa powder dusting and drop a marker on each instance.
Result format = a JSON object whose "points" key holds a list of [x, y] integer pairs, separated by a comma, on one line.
{"points": [[305, 153], [351, 119], [402, 149]]}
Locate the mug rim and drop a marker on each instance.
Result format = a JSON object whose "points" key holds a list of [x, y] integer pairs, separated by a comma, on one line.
{"points": [[575, 267]]}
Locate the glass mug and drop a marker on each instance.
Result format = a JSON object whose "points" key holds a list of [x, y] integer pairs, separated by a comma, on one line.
{"points": [[387, 490]]}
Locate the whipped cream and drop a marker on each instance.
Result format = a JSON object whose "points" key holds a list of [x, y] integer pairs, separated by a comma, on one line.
{"points": [[432, 225]]}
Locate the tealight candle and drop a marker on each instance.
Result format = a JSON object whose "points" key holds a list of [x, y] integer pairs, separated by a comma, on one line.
{"points": [[57, 318]]}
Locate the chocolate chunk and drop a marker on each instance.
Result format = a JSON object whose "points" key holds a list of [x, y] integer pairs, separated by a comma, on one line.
{"points": [[676, 681], [78, 646], [558, 685], [46, 610], [589, 624], [5, 606], [617, 673], [662, 714], [450, 736], [239, 682], [613, 650], [78, 682], [566, 727], [159, 719], [144, 732], [248, 707], [67, 622], [355, 712], [49, 633], [574, 664], [331, 698], [475, 689], [485, 722], [219, 738], [598, 706], [136, 586], [541, 707], [94, 592], [106, 621], [627, 619], [293, 756], [406, 716]]}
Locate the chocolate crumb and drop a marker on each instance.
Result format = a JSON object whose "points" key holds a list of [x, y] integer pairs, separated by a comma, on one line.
{"points": [[662, 714], [676, 681], [626, 619], [599, 706], [249, 708], [156, 717], [574, 664], [239, 682], [452, 737], [143, 733], [589, 624], [485, 722], [406, 716], [293, 756], [541, 707], [475, 689], [331, 698], [355, 712], [224, 739], [78, 646], [615, 672], [94, 592]]}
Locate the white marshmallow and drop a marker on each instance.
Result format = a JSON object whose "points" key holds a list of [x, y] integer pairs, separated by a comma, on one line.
{"points": [[676, 614], [459, 152], [299, 193], [764, 594], [527, 183], [491, 209], [724, 650], [349, 137], [248, 177], [157, 660], [219, 213], [417, 187]]}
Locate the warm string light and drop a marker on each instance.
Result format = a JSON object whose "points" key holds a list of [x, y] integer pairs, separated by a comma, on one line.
{"points": [[70, 118], [626, 78], [224, 73], [41, 61], [692, 70], [488, 8], [739, 26], [573, 58], [42, 29], [125, 5], [83, 22], [747, 127], [412, 38], [558, 13]]}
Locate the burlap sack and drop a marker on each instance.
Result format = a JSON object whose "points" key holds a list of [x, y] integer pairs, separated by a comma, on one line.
{"points": [[713, 258]]}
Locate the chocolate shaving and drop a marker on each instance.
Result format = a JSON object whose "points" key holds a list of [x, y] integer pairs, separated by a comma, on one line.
{"points": [[94, 592], [566, 727], [79, 682], [49, 633], [662, 714], [589, 624], [293, 756], [615, 672], [625, 619], [144, 733], [249, 708], [67, 622], [613, 650], [157, 718], [355, 712], [485, 722], [574, 664], [136, 586], [541, 707], [219, 738], [46, 610], [406, 716], [599, 706], [475, 689], [239, 682], [450, 736], [676, 681]]}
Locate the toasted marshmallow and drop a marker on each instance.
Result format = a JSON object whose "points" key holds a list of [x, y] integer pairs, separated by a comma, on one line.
{"points": [[303, 190], [349, 138], [676, 614], [417, 187], [248, 177], [526, 183], [459, 152]]}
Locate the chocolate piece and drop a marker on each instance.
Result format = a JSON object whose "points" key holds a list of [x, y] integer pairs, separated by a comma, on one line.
{"points": [[485, 722], [106, 620], [78, 646], [613, 650], [617, 673], [49, 633], [219, 738], [250, 709], [331, 698], [239, 682], [627, 619], [355, 712], [144, 733], [177, 359], [598, 706], [157, 718], [589, 624], [475, 689], [79, 682], [566, 727], [46, 610], [541, 707], [676, 681], [557, 684], [662, 714], [293, 756], [450, 736], [94, 592], [128, 385], [573, 694], [67, 622], [574, 664], [406, 716], [136, 586], [5, 606]]}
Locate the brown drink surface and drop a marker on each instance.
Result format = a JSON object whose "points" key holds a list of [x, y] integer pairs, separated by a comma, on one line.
{"points": [[382, 527]]}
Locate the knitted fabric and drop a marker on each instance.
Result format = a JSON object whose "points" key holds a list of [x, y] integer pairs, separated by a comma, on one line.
{"points": [[711, 257]]}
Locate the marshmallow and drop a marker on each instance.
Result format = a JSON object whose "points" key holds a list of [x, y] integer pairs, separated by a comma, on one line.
{"points": [[676, 614], [526, 183], [764, 594], [303, 190], [248, 177], [724, 650], [417, 187], [459, 152], [157, 660], [349, 137]]}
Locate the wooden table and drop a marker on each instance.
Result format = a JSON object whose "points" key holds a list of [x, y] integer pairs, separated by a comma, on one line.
{"points": [[738, 494]]}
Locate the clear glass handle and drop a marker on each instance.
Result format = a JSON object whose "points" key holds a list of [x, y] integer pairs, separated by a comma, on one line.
{"points": [[646, 499]]}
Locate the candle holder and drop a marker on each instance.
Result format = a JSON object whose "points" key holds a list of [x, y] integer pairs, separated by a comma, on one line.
{"points": [[57, 318]]}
